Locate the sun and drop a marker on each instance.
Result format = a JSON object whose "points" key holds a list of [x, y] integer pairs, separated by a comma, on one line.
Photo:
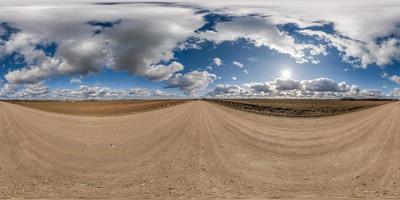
{"points": [[286, 74]]}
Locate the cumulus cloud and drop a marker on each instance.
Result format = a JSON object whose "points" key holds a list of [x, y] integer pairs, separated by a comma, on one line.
{"points": [[371, 93], [140, 92], [161, 93], [395, 78], [325, 84], [7, 89], [32, 91], [238, 64], [139, 45], [227, 91], [143, 92], [192, 82], [351, 23], [361, 53], [163, 72], [217, 61], [286, 84], [106, 93], [395, 92], [73, 56], [260, 87], [288, 88], [34, 74], [75, 80], [144, 38], [84, 56], [261, 31], [83, 92]]}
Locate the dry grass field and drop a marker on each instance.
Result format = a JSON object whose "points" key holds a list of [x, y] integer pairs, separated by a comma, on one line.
{"points": [[98, 108], [300, 107]]}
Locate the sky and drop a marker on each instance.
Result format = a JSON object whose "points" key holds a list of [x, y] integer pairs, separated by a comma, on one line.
{"points": [[100, 49]]}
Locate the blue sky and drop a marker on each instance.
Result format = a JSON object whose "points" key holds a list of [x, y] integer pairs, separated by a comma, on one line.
{"points": [[183, 49]]}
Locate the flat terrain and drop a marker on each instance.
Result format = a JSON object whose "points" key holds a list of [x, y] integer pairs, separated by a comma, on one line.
{"points": [[299, 107], [98, 108], [199, 150]]}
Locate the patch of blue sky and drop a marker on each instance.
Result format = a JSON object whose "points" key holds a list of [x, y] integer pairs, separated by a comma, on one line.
{"points": [[213, 19], [8, 30], [49, 49], [11, 62]]}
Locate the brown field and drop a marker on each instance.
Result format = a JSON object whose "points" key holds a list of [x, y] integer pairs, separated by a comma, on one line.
{"points": [[199, 150], [299, 107], [98, 108]]}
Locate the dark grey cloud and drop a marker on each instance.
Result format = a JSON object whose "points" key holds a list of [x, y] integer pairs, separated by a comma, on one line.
{"points": [[286, 84]]}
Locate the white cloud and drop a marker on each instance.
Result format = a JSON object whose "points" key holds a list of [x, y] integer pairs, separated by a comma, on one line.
{"points": [[75, 80], [7, 89], [286, 84], [395, 79], [253, 59], [371, 93], [361, 53], [238, 64], [143, 92], [161, 93], [261, 31], [395, 92], [361, 37], [325, 84], [356, 20], [32, 91], [163, 72], [106, 93], [192, 82], [145, 37], [217, 61], [288, 88], [260, 87], [148, 35], [234, 78], [246, 71], [140, 92]]}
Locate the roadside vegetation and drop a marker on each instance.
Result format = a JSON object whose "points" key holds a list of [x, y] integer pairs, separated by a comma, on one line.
{"points": [[300, 107], [98, 108]]}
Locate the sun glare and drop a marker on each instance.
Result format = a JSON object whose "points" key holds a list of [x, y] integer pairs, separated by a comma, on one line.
{"points": [[286, 74]]}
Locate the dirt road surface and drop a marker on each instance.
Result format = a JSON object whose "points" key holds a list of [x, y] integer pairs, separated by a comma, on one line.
{"points": [[199, 150]]}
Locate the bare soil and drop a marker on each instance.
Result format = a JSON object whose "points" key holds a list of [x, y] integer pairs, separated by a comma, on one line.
{"points": [[199, 150], [299, 107]]}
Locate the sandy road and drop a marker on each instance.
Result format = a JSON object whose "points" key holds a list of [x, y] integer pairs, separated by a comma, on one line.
{"points": [[199, 150]]}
